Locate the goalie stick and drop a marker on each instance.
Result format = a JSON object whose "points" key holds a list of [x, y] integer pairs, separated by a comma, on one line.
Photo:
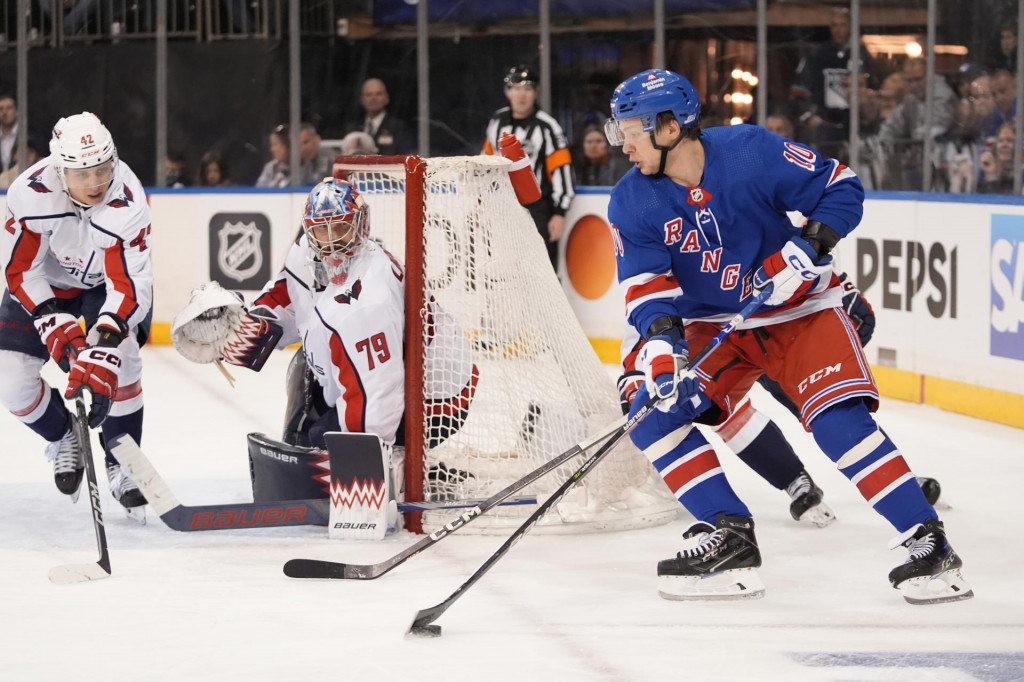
{"points": [[181, 517], [78, 573], [315, 568], [422, 622]]}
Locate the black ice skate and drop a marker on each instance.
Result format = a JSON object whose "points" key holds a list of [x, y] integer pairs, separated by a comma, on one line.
{"points": [[931, 574], [124, 490], [931, 489], [721, 563], [68, 459], [806, 502]]}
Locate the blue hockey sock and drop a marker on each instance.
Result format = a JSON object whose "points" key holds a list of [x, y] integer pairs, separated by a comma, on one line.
{"points": [[850, 437], [760, 444], [52, 422], [130, 423]]}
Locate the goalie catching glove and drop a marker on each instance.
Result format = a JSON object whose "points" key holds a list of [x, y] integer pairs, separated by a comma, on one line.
{"points": [[663, 361], [216, 326]]}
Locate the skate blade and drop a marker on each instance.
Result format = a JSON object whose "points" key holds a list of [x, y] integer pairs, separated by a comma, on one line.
{"points": [[945, 587], [136, 514], [820, 515], [74, 495], [739, 583]]}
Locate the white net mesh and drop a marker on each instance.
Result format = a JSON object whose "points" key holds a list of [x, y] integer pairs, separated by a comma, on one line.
{"points": [[541, 389]]}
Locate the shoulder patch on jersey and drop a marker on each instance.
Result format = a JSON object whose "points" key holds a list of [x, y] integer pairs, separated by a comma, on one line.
{"points": [[36, 183], [353, 293], [124, 200]]}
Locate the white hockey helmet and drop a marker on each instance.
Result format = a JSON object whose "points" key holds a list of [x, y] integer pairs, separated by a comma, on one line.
{"points": [[81, 141]]}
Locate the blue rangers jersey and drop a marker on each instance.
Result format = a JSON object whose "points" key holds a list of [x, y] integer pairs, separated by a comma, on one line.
{"points": [[693, 251]]}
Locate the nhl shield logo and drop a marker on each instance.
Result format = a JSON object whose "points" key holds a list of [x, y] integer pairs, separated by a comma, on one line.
{"points": [[239, 255], [699, 197]]}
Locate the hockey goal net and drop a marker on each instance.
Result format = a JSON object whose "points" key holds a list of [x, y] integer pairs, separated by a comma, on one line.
{"points": [[476, 263]]}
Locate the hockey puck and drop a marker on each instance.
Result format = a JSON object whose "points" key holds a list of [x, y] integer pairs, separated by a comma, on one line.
{"points": [[425, 631]]}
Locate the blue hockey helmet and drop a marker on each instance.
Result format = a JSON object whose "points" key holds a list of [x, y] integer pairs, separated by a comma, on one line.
{"points": [[648, 94], [336, 222]]}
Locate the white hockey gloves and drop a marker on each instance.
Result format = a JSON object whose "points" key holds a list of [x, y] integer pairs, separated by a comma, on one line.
{"points": [[663, 361], [793, 270], [216, 326]]}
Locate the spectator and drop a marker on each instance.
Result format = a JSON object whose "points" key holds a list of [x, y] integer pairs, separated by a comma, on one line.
{"points": [[871, 153], [817, 92], [995, 168], [904, 131], [276, 172], [890, 95], [390, 135], [546, 147], [9, 175], [960, 148], [780, 125], [1006, 59], [174, 170], [213, 171], [1004, 96], [8, 132], [358, 143], [596, 164], [315, 163]]}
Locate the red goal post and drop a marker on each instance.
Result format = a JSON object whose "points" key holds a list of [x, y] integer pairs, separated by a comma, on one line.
{"points": [[481, 293]]}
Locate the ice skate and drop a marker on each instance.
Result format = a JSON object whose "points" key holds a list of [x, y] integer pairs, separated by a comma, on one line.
{"points": [[806, 502], [931, 489], [719, 563], [124, 490], [931, 574], [68, 459]]}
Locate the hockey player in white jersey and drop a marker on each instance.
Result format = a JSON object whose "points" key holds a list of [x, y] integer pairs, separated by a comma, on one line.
{"points": [[76, 244], [342, 295]]}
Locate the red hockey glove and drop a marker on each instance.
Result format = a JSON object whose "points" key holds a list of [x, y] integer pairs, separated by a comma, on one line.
{"points": [[793, 270], [62, 335], [97, 368]]}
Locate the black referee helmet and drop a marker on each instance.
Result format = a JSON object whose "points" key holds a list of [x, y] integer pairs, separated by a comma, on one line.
{"points": [[521, 74]]}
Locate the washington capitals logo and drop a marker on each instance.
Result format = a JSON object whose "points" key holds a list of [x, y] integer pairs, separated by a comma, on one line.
{"points": [[124, 200], [351, 294], [35, 183], [699, 197]]}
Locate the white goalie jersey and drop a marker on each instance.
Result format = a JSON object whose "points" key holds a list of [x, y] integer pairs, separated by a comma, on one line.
{"points": [[53, 247], [352, 335]]}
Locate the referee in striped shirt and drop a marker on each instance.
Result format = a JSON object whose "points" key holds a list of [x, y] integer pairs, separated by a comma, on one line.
{"points": [[545, 144]]}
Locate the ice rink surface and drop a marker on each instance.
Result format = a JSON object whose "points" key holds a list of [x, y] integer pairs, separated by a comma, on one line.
{"points": [[216, 606]]}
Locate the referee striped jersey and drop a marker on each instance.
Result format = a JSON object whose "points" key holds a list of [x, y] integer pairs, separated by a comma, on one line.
{"points": [[545, 145]]}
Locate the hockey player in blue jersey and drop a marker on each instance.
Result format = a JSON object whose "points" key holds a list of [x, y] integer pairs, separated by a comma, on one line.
{"points": [[700, 225]]}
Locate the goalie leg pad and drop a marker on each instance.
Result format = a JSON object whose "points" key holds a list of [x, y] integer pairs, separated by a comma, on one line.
{"points": [[362, 503], [283, 472]]}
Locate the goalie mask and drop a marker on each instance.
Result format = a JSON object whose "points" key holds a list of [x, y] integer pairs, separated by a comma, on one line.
{"points": [[336, 224], [84, 155]]}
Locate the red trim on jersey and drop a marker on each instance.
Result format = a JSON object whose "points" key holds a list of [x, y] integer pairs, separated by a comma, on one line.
{"points": [[38, 401], [657, 285], [736, 421], [117, 273], [128, 392], [801, 297], [25, 251], [276, 297], [452, 407], [882, 477], [353, 395], [682, 475]]}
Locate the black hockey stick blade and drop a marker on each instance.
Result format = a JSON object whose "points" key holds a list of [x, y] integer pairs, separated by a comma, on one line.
{"points": [[186, 518], [317, 569], [68, 574]]}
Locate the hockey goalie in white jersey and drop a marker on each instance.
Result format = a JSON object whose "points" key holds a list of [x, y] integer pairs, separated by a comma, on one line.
{"points": [[76, 244], [342, 296]]}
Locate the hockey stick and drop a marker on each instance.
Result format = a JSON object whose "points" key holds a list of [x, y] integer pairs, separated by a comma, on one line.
{"points": [[77, 573], [422, 622], [315, 568], [181, 517]]}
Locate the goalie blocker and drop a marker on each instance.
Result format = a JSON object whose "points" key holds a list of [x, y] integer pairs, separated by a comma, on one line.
{"points": [[357, 474]]}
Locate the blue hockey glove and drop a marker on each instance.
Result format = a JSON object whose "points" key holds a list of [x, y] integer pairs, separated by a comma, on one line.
{"points": [[793, 270], [859, 310]]}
